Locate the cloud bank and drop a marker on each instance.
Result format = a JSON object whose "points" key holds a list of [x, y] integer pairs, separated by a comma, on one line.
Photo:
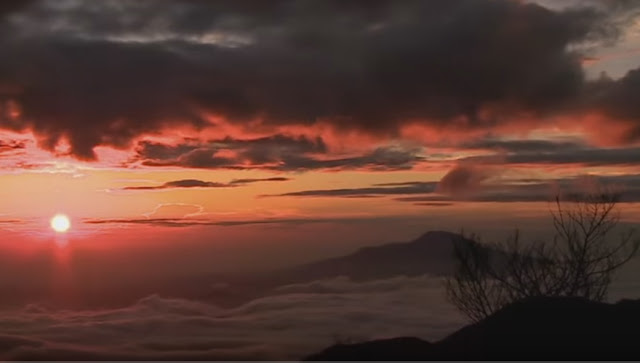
{"points": [[105, 74], [477, 183], [195, 183], [298, 320]]}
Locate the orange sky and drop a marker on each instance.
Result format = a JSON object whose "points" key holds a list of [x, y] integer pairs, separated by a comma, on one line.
{"points": [[147, 126]]}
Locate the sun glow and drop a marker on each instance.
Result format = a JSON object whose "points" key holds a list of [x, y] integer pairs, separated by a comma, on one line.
{"points": [[60, 223]]}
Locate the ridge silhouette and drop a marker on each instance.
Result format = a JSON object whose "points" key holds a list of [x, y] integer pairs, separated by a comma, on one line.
{"points": [[542, 328]]}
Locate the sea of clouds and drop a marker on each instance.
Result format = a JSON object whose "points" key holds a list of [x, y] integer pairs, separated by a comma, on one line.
{"points": [[297, 320], [292, 322]]}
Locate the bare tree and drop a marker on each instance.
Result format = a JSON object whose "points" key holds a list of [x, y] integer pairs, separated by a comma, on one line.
{"points": [[580, 261]]}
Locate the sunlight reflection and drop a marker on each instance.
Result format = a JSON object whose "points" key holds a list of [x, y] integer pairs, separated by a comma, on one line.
{"points": [[62, 287]]}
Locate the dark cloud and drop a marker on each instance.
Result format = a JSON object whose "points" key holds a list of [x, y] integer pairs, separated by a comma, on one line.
{"points": [[8, 146], [273, 148], [184, 183], [104, 73], [545, 191], [463, 184], [382, 158], [258, 151], [11, 6], [195, 183], [406, 188], [464, 179], [256, 180], [191, 183], [191, 222], [277, 152], [551, 152], [400, 184], [529, 145], [618, 100], [504, 193], [591, 157]]}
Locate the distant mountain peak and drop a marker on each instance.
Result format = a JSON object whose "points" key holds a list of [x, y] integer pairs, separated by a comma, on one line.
{"points": [[428, 240], [431, 253], [438, 236]]}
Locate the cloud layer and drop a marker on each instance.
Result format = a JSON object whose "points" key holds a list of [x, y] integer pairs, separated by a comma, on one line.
{"points": [[108, 73], [475, 183], [277, 153], [195, 183], [298, 320]]}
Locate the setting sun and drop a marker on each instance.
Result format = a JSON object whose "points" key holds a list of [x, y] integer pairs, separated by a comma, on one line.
{"points": [[60, 223]]}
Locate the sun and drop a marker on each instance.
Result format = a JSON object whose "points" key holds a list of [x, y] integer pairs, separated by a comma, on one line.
{"points": [[60, 223]]}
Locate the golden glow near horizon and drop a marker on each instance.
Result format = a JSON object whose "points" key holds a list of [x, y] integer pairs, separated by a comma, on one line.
{"points": [[60, 223]]}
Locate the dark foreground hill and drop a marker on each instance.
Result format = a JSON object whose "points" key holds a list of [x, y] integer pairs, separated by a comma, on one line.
{"points": [[536, 329]]}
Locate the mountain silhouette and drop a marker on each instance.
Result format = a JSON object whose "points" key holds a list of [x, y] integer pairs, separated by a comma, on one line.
{"points": [[543, 328], [432, 253]]}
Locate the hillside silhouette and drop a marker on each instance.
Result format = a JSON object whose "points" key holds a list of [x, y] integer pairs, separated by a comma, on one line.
{"points": [[535, 329]]}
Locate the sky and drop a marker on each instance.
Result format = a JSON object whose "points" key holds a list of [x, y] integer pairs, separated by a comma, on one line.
{"points": [[196, 138], [292, 122]]}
